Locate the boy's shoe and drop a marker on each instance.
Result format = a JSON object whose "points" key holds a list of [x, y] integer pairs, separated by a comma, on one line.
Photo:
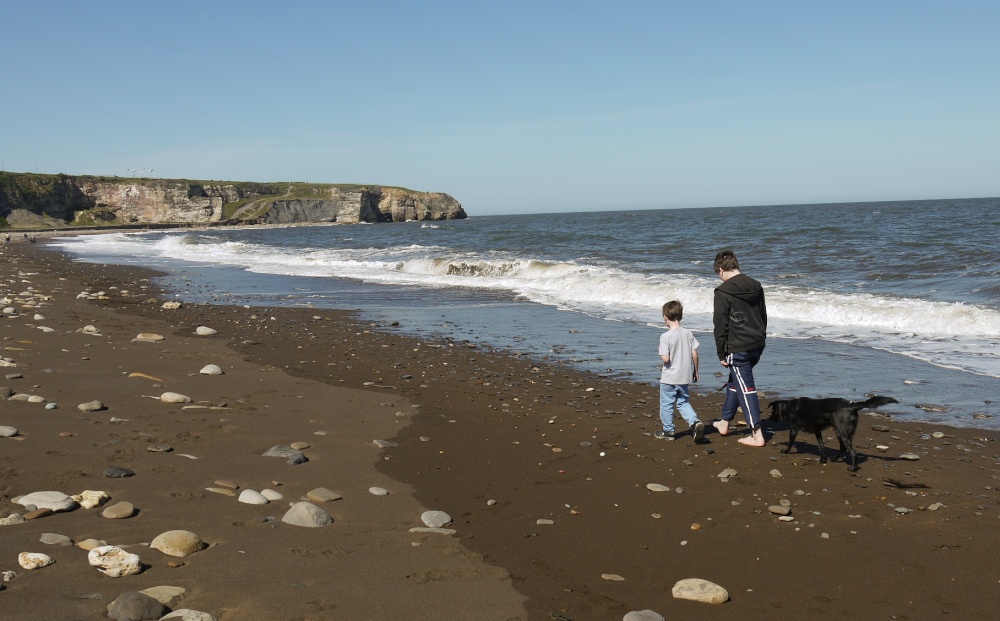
{"points": [[699, 431], [660, 434]]}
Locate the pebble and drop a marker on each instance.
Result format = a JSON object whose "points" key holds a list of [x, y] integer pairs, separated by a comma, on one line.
{"points": [[205, 331], [177, 543], [293, 456], [656, 487], [34, 560], [698, 590], [221, 490], [643, 615], [299, 446], [136, 606], [169, 596], [435, 519], [7, 431], [780, 510], [90, 544], [727, 474], [271, 495], [114, 562], [544, 522], [118, 472], [51, 406], [147, 337], [775, 473], [321, 494], [613, 577], [54, 539], [91, 406], [14, 518], [119, 511], [910, 456], [211, 369], [385, 444], [174, 397], [881, 428], [435, 531], [186, 614], [935, 506], [381, 491], [228, 484], [89, 499], [159, 448], [306, 514], [903, 510], [250, 497], [38, 513], [53, 501]]}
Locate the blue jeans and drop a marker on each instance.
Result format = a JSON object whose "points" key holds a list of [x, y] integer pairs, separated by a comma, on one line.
{"points": [[675, 394], [741, 390]]}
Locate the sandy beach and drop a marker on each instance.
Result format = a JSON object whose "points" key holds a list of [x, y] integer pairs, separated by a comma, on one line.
{"points": [[563, 505]]}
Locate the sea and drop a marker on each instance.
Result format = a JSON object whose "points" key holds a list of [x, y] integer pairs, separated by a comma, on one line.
{"points": [[895, 298]]}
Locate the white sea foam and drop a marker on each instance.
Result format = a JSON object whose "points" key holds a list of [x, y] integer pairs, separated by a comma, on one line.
{"points": [[953, 335]]}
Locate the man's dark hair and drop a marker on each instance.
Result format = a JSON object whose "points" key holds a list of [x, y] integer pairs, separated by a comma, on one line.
{"points": [[673, 310], [726, 261]]}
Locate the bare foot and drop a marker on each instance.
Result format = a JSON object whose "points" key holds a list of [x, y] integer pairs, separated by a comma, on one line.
{"points": [[754, 439], [722, 426]]}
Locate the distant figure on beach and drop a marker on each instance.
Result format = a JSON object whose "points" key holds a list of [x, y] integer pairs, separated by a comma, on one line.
{"points": [[740, 318], [32, 239], [25, 237], [679, 353], [7, 237]]}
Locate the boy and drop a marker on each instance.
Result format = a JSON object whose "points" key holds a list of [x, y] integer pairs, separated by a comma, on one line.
{"points": [[679, 352], [740, 320]]}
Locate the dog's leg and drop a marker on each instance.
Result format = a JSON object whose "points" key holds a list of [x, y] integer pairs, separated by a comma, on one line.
{"points": [[822, 447], [791, 441], [849, 449]]}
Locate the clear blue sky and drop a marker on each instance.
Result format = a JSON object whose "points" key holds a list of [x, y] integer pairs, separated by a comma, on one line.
{"points": [[516, 107]]}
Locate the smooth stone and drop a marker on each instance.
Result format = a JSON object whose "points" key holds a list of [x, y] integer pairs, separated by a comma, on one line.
{"points": [[211, 369], [90, 544], [174, 397], [935, 506], [151, 337], [385, 444], [903, 510], [881, 428], [205, 331], [656, 487], [89, 498], [38, 317], [378, 491], [250, 497], [786, 518], [780, 510], [544, 522], [118, 472], [55, 539], [186, 614], [306, 514], [171, 305], [221, 490], [38, 513], [435, 531], [299, 446], [613, 577], [698, 590], [7, 431], [435, 519], [136, 606], [321, 494], [119, 511], [728, 473], [114, 562], [36, 399], [91, 406], [643, 615], [159, 448], [775, 473], [169, 596], [34, 560], [271, 495], [910, 456], [228, 484], [53, 501], [293, 456], [46, 329], [177, 543], [51, 406], [21, 396]]}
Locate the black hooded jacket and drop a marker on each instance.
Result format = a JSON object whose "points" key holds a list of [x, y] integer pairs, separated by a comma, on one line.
{"points": [[740, 315]]}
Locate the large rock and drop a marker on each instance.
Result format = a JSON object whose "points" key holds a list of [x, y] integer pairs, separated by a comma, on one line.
{"points": [[177, 543], [698, 590], [113, 561], [306, 514]]}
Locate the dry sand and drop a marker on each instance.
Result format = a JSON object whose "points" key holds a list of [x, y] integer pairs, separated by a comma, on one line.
{"points": [[472, 426]]}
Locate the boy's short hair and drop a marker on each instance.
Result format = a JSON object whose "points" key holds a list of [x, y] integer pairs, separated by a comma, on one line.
{"points": [[673, 310], [726, 261]]}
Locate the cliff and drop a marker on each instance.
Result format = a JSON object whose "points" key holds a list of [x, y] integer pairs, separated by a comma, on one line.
{"points": [[36, 200]]}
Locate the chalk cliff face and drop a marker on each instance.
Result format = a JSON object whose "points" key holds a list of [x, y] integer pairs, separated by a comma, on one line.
{"points": [[58, 200]]}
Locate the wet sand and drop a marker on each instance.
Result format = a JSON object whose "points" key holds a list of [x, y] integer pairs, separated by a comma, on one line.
{"points": [[473, 426]]}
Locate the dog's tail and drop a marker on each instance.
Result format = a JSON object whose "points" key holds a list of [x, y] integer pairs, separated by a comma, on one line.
{"points": [[874, 402]]}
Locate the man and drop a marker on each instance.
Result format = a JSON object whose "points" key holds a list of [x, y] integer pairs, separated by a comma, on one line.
{"points": [[740, 320]]}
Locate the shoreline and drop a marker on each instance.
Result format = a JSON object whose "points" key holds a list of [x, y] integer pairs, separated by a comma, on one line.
{"points": [[524, 433]]}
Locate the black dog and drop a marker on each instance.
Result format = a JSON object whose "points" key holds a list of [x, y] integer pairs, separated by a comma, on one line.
{"points": [[815, 415]]}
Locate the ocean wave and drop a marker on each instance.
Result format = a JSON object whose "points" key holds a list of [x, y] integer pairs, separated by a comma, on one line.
{"points": [[954, 335]]}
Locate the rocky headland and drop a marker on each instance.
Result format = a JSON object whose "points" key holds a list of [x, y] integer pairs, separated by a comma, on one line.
{"points": [[57, 201]]}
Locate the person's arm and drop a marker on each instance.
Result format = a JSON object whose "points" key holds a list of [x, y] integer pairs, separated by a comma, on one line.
{"points": [[664, 349], [694, 364], [720, 320]]}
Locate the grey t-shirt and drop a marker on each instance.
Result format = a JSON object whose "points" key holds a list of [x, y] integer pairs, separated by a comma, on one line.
{"points": [[678, 343]]}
